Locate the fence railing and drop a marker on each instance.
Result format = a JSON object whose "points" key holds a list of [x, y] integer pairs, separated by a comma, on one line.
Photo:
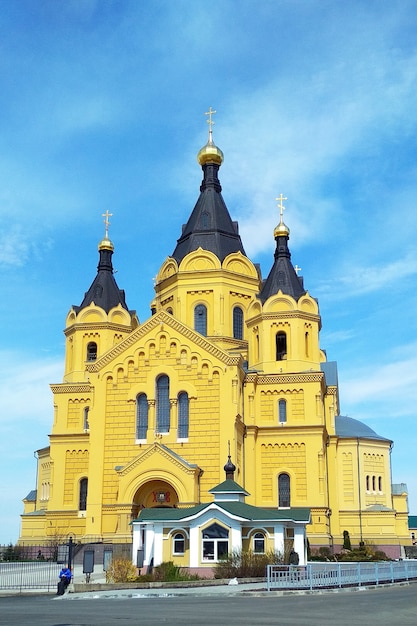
{"points": [[327, 575], [33, 575]]}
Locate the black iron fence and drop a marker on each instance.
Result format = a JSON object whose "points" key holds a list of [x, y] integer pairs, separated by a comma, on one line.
{"points": [[29, 575]]}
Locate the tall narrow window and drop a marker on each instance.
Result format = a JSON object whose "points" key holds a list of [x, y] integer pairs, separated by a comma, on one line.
{"points": [[178, 546], [237, 323], [86, 424], [162, 404], [283, 491], [367, 484], [91, 351], [82, 506], [281, 346], [282, 411], [379, 483], [373, 484], [141, 416], [307, 344], [183, 415], [205, 220], [259, 543], [200, 319]]}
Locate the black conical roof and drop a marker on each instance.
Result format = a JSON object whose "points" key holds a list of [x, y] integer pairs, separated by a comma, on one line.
{"points": [[210, 226], [104, 291], [282, 275]]}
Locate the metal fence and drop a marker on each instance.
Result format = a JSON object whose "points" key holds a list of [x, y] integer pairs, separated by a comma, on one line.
{"points": [[328, 575], [33, 575]]}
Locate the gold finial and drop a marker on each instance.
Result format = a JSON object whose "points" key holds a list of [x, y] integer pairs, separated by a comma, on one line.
{"points": [[280, 205], [210, 153], [281, 229], [210, 122], [106, 243], [106, 221]]}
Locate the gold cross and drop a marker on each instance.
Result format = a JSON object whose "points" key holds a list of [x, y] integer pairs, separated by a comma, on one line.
{"points": [[106, 221], [210, 122], [280, 205], [297, 269]]}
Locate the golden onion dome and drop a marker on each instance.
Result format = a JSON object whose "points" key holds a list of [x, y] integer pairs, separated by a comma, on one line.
{"points": [[106, 244], [210, 153], [281, 230]]}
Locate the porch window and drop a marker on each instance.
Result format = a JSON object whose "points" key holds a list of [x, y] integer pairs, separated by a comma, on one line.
{"points": [[215, 543], [259, 543], [178, 546]]}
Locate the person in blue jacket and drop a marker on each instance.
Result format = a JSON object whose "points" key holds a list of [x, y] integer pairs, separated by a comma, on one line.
{"points": [[65, 576]]}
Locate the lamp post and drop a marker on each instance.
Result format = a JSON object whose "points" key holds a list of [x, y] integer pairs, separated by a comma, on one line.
{"points": [[70, 546]]}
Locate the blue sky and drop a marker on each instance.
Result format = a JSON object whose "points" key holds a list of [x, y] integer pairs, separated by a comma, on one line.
{"points": [[102, 108]]}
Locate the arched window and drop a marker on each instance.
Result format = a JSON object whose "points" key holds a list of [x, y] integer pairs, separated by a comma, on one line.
{"points": [[284, 491], [367, 484], [86, 424], [82, 505], [141, 416], [379, 483], [282, 411], [281, 346], [91, 351], [205, 220], [307, 344], [215, 543], [178, 544], [162, 404], [183, 415], [200, 319], [259, 543], [373, 483], [237, 323]]}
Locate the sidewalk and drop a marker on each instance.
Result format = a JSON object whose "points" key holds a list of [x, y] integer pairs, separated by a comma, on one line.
{"points": [[167, 591]]}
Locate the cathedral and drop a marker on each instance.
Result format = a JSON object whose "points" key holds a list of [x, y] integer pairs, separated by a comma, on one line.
{"points": [[228, 368]]}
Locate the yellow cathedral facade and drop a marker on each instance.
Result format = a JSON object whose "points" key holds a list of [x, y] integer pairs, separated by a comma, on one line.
{"points": [[228, 363]]}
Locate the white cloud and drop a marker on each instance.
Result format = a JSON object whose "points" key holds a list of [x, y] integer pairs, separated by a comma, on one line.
{"points": [[387, 389], [24, 389]]}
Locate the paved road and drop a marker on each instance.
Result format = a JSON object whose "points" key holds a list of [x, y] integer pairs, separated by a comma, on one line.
{"points": [[388, 606]]}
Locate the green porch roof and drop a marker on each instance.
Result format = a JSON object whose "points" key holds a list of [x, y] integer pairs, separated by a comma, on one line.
{"points": [[237, 509]]}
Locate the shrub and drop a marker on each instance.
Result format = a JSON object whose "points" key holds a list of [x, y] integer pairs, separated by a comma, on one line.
{"points": [[169, 572], [121, 571], [246, 564]]}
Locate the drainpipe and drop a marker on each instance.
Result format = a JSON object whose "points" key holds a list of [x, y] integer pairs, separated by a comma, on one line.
{"points": [[35, 454], [359, 492], [329, 511]]}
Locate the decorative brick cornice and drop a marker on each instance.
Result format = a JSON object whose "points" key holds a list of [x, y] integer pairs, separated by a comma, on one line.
{"points": [[97, 326], [155, 321], [71, 388], [277, 316], [280, 379]]}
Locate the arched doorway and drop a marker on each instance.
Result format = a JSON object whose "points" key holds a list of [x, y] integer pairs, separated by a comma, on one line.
{"points": [[155, 493]]}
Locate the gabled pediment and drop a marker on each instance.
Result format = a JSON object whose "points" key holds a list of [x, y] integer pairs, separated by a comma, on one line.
{"points": [[160, 321], [158, 456]]}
